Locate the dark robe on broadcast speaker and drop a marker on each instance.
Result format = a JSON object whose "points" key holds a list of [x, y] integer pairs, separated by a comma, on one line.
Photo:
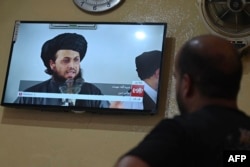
{"points": [[52, 86], [148, 103]]}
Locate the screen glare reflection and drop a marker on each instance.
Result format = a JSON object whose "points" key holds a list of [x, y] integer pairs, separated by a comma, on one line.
{"points": [[140, 35]]}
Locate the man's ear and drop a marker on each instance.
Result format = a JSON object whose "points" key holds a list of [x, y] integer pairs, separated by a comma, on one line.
{"points": [[187, 85], [52, 64], [157, 73]]}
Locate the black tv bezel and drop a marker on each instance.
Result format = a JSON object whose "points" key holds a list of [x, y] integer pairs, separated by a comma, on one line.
{"points": [[80, 109]]}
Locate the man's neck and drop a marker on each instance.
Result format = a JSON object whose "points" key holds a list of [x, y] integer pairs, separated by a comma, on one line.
{"points": [[152, 84], [202, 102]]}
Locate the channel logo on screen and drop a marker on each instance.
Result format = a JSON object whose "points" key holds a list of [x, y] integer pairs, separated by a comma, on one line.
{"points": [[137, 89]]}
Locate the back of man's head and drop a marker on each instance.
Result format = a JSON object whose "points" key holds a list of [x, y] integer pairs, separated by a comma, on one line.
{"points": [[147, 63], [213, 64]]}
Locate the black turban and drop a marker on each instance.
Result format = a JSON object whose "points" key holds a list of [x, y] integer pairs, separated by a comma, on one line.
{"points": [[70, 41], [147, 63]]}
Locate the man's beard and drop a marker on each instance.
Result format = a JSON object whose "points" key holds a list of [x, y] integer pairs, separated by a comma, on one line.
{"points": [[59, 78]]}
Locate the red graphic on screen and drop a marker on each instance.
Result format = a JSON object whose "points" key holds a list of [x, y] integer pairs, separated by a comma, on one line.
{"points": [[137, 90]]}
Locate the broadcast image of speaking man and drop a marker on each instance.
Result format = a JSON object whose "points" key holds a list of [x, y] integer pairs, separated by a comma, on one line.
{"points": [[208, 71], [61, 56], [148, 70]]}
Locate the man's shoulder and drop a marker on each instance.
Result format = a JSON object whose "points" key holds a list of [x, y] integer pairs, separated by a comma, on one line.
{"points": [[220, 113], [214, 115], [210, 118], [90, 88], [40, 87], [89, 84]]}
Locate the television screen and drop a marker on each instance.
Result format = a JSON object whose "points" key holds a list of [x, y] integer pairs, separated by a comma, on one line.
{"points": [[85, 66]]}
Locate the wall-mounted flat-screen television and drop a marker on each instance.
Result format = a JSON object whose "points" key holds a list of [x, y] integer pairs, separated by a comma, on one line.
{"points": [[85, 66]]}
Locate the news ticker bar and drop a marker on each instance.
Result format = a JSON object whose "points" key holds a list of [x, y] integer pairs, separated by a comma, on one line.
{"points": [[80, 96], [235, 158]]}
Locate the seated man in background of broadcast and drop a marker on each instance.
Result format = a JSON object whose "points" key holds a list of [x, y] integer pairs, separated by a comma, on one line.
{"points": [[148, 70], [208, 71], [61, 56]]}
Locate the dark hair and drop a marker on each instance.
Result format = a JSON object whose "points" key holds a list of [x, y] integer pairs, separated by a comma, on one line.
{"points": [[147, 63], [210, 76]]}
